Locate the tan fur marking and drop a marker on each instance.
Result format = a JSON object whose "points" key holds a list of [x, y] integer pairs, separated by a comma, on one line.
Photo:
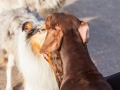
{"points": [[35, 44], [36, 47], [50, 62], [83, 23], [28, 26]]}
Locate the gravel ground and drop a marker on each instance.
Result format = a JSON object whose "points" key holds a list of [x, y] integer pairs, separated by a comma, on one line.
{"points": [[103, 18]]}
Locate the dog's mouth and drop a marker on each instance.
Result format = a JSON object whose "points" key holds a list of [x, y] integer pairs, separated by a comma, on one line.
{"points": [[46, 56]]}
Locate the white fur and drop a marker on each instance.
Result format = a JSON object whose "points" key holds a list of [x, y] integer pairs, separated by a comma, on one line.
{"points": [[37, 73], [44, 7], [10, 64]]}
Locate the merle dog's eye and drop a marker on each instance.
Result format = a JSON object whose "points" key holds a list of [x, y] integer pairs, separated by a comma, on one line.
{"points": [[38, 30], [42, 30]]}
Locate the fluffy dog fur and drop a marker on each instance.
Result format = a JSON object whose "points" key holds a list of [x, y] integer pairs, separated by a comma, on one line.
{"points": [[70, 35], [44, 7], [21, 37]]}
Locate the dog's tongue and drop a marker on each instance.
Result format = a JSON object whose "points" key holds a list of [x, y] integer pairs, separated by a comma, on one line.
{"points": [[46, 56]]}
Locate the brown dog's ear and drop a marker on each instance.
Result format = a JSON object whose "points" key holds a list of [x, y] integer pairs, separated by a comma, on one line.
{"points": [[84, 32], [52, 41], [27, 26]]}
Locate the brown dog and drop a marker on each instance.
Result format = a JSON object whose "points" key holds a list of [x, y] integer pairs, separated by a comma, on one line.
{"points": [[70, 35]]}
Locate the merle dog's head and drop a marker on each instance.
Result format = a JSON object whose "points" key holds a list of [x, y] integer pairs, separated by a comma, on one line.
{"points": [[35, 34]]}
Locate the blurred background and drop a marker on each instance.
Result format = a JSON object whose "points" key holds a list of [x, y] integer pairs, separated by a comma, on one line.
{"points": [[103, 17]]}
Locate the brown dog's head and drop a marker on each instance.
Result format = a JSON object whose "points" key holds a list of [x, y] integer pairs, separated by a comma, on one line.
{"points": [[57, 25]]}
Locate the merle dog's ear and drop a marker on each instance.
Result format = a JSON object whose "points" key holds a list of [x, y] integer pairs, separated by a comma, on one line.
{"points": [[27, 26], [84, 32], [52, 41]]}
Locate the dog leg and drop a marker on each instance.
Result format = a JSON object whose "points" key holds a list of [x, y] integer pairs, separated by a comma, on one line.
{"points": [[10, 65]]}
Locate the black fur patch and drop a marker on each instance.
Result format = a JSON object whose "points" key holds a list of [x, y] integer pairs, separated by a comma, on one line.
{"points": [[32, 32], [10, 34]]}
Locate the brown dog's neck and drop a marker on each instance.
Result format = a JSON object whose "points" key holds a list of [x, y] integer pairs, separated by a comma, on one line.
{"points": [[75, 56]]}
